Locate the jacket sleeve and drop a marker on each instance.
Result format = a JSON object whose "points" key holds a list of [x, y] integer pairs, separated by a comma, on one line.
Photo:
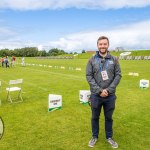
{"points": [[95, 88], [117, 78]]}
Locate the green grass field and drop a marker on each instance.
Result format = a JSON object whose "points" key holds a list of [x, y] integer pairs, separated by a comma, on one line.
{"points": [[29, 125]]}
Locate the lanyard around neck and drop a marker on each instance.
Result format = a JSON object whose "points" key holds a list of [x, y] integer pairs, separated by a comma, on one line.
{"points": [[102, 65]]}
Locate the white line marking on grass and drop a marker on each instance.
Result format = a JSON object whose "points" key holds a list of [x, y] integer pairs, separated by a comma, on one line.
{"points": [[73, 77], [34, 85]]}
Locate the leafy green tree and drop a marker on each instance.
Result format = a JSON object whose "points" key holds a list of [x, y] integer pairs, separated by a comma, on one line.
{"points": [[83, 51], [31, 52], [4, 52], [56, 52]]}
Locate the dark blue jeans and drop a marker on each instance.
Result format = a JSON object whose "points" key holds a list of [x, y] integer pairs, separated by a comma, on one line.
{"points": [[108, 104]]}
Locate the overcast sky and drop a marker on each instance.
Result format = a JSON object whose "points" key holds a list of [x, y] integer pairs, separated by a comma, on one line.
{"points": [[74, 25]]}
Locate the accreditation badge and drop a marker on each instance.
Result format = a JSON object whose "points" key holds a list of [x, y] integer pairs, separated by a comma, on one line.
{"points": [[104, 75]]}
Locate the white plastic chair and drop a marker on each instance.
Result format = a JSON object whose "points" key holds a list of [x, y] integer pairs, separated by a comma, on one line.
{"points": [[15, 86]]}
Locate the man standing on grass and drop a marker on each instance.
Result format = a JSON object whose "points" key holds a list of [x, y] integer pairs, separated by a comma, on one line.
{"points": [[103, 74]]}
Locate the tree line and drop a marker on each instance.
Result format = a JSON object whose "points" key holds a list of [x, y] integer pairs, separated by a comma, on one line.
{"points": [[31, 52]]}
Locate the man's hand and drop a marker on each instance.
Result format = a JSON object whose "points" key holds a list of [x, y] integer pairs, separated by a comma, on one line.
{"points": [[104, 93]]}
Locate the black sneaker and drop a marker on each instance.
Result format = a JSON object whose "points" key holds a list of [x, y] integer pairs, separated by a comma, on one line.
{"points": [[112, 143], [92, 142]]}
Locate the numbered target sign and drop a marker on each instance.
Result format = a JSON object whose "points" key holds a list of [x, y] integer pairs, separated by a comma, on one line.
{"points": [[144, 83], [84, 96], [54, 102]]}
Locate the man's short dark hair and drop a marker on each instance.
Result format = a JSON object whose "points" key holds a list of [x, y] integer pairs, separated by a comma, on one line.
{"points": [[102, 38]]}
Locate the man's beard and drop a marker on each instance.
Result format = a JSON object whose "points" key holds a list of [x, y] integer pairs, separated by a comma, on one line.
{"points": [[103, 52]]}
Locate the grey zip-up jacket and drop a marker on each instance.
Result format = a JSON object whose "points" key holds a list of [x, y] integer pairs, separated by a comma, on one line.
{"points": [[94, 67]]}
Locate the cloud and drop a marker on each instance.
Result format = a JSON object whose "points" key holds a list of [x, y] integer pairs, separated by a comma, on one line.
{"points": [[6, 33], [18, 43], [62, 4], [131, 36], [134, 36]]}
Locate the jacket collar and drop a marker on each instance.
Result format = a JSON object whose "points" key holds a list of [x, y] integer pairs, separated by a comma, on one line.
{"points": [[107, 56]]}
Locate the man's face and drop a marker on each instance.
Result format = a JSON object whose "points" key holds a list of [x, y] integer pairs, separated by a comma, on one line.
{"points": [[103, 45]]}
